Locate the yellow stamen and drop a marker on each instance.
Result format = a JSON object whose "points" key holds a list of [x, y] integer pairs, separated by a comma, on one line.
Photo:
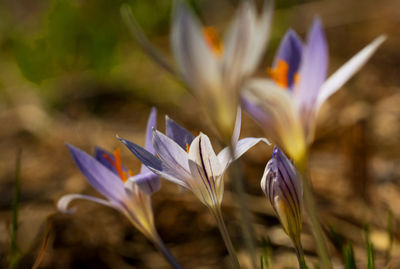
{"points": [[296, 78], [280, 73], [213, 40], [187, 147]]}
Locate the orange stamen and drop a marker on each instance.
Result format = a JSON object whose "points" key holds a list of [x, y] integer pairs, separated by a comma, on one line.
{"points": [[117, 164], [279, 73], [213, 40], [187, 147]]}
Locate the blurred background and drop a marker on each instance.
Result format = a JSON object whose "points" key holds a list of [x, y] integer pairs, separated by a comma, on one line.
{"points": [[70, 72]]}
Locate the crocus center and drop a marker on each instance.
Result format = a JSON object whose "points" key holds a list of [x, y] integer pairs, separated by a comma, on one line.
{"points": [[213, 40], [116, 163], [280, 73]]}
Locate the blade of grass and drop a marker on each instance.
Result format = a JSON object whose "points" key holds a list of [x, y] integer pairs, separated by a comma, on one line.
{"points": [[348, 256], [370, 250], [15, 254]]}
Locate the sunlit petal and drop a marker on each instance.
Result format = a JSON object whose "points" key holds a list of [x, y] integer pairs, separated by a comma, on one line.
{"points": [[64, 202]]}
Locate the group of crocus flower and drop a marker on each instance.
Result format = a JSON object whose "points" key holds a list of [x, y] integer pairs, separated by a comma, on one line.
{"points": [[219, 73]]}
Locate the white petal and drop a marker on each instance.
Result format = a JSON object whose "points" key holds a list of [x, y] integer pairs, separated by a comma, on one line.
{"points": [[241, 147], [337, 79], [238, 125], [196, 62], [65, 200], [260, 37], [280, 117]]}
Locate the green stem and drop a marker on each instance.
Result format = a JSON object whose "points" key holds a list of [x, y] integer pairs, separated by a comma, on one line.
{"points": [[311, 208], [245, 222], [300, 256], [225, 236]]}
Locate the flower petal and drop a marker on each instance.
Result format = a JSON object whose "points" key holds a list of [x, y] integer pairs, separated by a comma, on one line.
{"points": [[173, 157], [143, 155], [99, 154], [313, 69], [276, 111], [195, 59], [151, 123], [238, 125], [290, 51], [148, 182], [99, 176], [65, 200], [206, 171], [178, 133], [337, 79], [241, 147], [237, 44], [259, 38]]}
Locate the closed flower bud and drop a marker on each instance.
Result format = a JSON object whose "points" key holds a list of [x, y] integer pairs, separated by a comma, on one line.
{"points": [[281, 183]]}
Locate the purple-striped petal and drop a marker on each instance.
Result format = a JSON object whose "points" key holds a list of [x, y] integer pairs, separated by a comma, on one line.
{"points": [[64, 201], [313, 69], [178, 133], [99, 176], [281, 183], [206, 171], [143, 155], [173, 157], [290, 51]]}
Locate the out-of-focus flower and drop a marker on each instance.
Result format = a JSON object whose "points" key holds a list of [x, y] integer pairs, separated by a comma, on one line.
{"points": [[125, 192], [191, 161], [213, 69], [287, 105], [281, 183]]}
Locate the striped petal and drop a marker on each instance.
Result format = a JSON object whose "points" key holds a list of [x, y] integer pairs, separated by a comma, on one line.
{"points": [[282, 185], [206, 171]]}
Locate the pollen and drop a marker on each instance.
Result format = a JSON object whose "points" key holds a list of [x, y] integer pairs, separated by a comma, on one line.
{"points": [[280, 73], [187, 147], [213, 40]]}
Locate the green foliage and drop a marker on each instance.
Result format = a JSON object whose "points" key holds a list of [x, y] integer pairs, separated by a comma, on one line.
{"points": [[348, 256], [15, 253], [370, 250]]}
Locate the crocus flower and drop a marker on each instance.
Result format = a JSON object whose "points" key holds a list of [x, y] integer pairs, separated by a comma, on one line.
{"points": [[287, 104], [213, 69], [191, 161], [130, 194], [282, 185]]}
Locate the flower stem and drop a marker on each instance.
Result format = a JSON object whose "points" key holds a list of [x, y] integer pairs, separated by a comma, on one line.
{"points": [[300, 256], [158, 243], [225, 236], [245, 223], [311, 208]]}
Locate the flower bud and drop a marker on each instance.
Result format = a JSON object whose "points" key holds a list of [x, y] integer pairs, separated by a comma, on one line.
{"points": [[281, 183]]}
